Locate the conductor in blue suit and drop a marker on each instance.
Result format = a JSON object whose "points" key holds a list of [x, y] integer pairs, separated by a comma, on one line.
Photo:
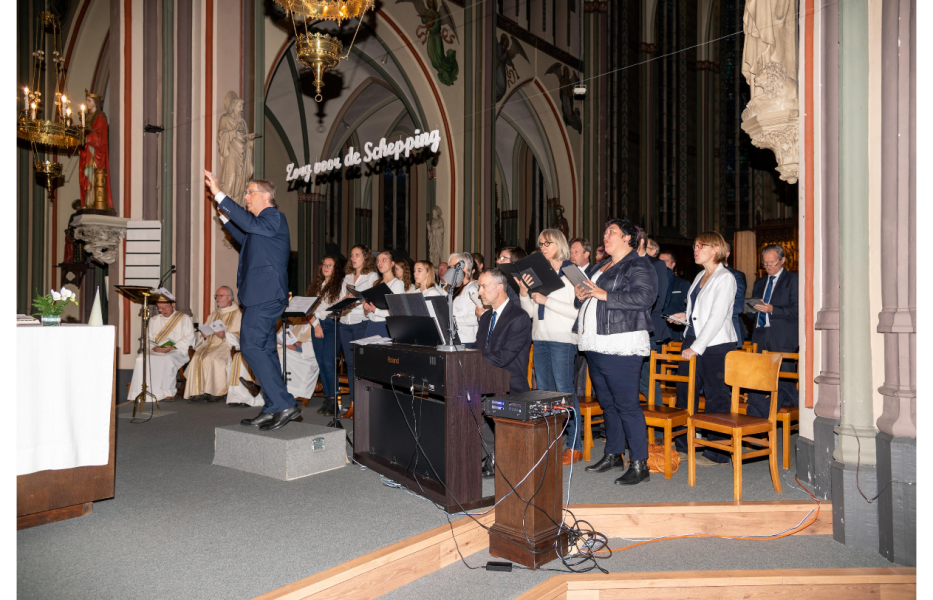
{"points": [[262, 282]]}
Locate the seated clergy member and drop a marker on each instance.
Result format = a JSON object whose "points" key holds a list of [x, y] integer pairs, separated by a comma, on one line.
{"points": [[504, 338], [209, 370], [170, 335], [300, 364]]}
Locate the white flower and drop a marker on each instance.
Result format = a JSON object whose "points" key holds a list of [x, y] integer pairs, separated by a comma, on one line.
{"points": [[66, 293], [56, 296]]}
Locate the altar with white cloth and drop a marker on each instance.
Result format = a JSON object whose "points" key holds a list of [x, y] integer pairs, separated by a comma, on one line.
{"points": [[65, 404]]}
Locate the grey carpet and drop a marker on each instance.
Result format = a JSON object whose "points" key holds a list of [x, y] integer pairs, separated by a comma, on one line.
{"points": [[180, 527]]}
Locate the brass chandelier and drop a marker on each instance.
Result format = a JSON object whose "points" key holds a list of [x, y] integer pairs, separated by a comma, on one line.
{"points": [[59, 130], [319, 51]]}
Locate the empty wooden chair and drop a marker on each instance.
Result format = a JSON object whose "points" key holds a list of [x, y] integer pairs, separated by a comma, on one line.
{"points": [[531, 366], [788, 414], [666, 417], [750, 371], [591, 412], [750, 347]]}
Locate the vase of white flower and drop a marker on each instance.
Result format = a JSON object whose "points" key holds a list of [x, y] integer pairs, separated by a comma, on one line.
{"points": [[49, 308]]}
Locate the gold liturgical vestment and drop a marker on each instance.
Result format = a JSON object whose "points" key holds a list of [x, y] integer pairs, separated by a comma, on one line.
{"points": [[209, 369]]}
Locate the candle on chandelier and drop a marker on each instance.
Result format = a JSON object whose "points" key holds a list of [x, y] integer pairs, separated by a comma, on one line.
{"points": [[33, 107], [26, 94], [82, 115], [68, 115]]}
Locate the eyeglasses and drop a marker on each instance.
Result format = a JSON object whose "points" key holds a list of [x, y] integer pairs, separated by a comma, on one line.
{"points": [[544, 244], [698, 245], [216, 296], [771, 264], [248, 192], [504, 258]]}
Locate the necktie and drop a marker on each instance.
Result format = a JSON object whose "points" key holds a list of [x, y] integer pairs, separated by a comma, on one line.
{"points": [[491, 325], [762, 318]]}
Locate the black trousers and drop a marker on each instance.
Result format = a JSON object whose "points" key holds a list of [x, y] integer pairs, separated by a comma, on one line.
{"points": [[759, 404], [711, 377]]}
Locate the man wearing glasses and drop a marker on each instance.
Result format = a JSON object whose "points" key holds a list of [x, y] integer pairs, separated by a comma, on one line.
{"points": [[775, 323], [206, 376], [262, 280]]}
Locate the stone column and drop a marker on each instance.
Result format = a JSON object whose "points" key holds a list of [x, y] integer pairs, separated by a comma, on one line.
{"points": [[649, 161], [855, 521], [183, 159], [166, 213], [897, 439], [818, 454]]}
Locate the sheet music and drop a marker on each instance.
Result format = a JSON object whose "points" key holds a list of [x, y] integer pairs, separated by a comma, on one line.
{"points": [[301, 304], [437, 322], [372, 340]]}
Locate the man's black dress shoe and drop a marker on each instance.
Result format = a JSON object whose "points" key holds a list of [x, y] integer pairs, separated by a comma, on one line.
{"points": [[281, 418], [489, 467], [215, 398], [637, 472], [608, 461], [257, 420], [251, 387], [238, 404], [197, 398]]}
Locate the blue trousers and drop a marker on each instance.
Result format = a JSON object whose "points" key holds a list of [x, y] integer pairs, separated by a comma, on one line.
{"points": [[376, 328], [324, 353], [257, 343], [554, 372], [348, 333], [615, 379]]}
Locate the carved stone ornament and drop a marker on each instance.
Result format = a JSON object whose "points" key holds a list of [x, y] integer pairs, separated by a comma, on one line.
{"points": [[101, 235], [769, 64]]}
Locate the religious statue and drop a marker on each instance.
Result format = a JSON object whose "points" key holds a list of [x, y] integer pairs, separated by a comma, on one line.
{"points": [[571, 115], [435, 236], [560, 222], [769, 64], [96, 151], [235, 146], [437, 27], [508, 48]]}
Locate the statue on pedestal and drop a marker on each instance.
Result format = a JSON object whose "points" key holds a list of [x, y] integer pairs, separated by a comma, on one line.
{"points": [[435, 236], [95, 155], [235, 147], [560, 222]]}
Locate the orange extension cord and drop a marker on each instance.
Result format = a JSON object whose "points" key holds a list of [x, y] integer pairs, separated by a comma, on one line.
{"points": [[730, 537]]}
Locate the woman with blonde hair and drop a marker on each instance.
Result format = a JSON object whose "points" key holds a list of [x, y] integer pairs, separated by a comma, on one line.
{"points": [[555, 343], [425, 280], [710, 334], [360, 273], [385, 264]]}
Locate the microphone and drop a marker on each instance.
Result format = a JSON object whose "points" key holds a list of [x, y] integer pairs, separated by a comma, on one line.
{"points": [[454, 275], [166, 276]]}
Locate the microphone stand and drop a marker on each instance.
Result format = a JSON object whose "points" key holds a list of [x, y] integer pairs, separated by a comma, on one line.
{"points": [[449, 345], [335, 422]]}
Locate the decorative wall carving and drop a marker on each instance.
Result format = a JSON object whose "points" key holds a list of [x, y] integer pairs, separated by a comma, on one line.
{"points": [[769, 64], [101, 235]]}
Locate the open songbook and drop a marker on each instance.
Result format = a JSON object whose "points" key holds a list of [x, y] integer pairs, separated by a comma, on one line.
{"points": [[289, 338], [212, 328]]}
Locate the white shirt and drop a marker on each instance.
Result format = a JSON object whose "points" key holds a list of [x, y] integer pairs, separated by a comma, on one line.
{"points": [[712, 313], [363, 282], [465, 314], [398, 287], [496, 313], [773, 285], [630, 343], [433, 291]]}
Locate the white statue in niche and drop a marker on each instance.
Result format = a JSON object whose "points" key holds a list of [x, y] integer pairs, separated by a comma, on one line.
{"points": [[235, 146], [769, 64], [435, 236]]}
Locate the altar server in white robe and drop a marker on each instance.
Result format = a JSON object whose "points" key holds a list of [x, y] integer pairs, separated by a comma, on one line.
{"points": [[301, 365], [170, 335]]}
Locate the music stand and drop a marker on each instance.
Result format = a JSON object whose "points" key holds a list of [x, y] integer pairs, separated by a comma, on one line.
{"points": [[335, 311], [140, 294]]}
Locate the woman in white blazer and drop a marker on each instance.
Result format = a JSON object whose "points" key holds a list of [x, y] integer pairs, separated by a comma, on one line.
{"points": [[710, 334]]}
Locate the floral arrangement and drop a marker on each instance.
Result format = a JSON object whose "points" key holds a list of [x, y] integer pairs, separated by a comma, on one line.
{"points": [[53, 304]]}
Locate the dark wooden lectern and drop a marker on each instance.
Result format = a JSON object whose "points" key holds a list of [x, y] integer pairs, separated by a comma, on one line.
{"points": [[519, 445], [448, 466]]}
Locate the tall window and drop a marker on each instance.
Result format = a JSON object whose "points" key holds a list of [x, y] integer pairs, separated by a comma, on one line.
{"points": [[396, 206]]}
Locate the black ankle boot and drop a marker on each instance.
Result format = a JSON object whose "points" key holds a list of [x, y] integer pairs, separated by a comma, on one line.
{"points": [[605, 463], [637, 472], [327, 408]]}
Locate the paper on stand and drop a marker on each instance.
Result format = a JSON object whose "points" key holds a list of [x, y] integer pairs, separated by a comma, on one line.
{"points": [[301, 304], [373, 339]]}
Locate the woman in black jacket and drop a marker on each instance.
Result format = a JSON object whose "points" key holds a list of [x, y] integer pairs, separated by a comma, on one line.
{"points": [[613, 326]]}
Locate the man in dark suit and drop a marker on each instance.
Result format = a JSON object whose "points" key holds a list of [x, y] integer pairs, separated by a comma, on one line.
{"points": [[262, 282], [740, 286], [775, 323], [662, 332], [677, 293], [504, 338]]}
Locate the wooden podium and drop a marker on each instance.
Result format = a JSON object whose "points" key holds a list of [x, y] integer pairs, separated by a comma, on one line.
{"points": [[437, 412], [520, 528]]}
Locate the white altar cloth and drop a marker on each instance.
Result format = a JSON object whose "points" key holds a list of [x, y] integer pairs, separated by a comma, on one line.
{"points": [[64, 391]]}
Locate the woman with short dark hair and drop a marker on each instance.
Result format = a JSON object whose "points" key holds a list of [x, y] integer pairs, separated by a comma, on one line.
{"points": [[613, 327], [709, 336]]}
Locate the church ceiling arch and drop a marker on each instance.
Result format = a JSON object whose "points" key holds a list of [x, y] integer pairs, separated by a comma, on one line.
{"points": [[521, 116]]}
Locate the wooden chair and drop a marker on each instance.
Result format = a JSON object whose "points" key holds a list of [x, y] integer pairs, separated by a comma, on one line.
{"points": [[666, 417], [787, 414], [743, 370], [590, 410], [531, 366], [750, 347]]}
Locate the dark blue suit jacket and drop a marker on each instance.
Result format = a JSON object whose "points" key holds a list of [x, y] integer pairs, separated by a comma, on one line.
{"points": [[740, 287], [262, 273], [511, 339], [661, 332], [784, 317]]}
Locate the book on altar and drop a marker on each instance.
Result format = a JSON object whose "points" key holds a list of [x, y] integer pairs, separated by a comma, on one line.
{"points": [[212, 328]]}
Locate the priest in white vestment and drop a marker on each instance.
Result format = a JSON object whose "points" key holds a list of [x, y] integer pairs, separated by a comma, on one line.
{"points": [[170, 335], [301, 365], [209, 370]]}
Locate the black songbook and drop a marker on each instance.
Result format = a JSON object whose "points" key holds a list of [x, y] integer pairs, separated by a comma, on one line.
{"points": [[544, 279], [511, 271], [375, 295], [343, 305]]}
